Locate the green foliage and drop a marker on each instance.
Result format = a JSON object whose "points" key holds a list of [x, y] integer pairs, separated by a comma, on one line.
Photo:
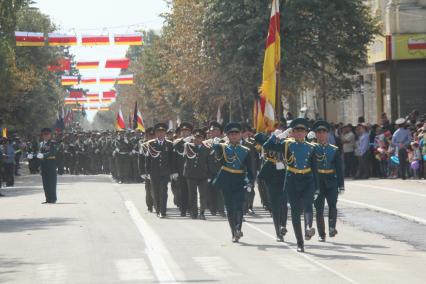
{"points": [[29, 94]]}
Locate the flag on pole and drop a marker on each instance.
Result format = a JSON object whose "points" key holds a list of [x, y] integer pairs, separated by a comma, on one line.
{"points": [[119, 123], [137, 119], [271, 65]]}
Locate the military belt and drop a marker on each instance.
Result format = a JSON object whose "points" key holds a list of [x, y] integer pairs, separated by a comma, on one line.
{"points": [[331, 171], [233, 171], [51, 158], [299, 171]]}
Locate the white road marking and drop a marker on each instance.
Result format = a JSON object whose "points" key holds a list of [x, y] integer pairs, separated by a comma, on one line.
{"points": [[384, 210], [52, 273], [133, 269], [215, 266], [388, 189], [157, 253], [307, 257]]}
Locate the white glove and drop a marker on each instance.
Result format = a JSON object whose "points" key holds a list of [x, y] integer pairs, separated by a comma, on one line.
{"points": [[285, 134], [316, 194], [249, 187], [311, 135], [187, 139], [40, 156], [30, 156], [216, 141], [134, 151], [148, 177], [174, 176], [341, 190], [277, 132]]}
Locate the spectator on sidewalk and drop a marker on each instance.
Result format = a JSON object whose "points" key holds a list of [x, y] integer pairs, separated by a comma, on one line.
{"points": [[401, 139], [348, 141], [9, 163], [362, 152]]}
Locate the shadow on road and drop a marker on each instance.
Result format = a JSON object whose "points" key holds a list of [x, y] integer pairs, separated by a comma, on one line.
{"points": [[10, 266], [31, 224]]}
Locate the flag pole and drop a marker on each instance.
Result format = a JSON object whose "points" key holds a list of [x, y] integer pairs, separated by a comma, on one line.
{"points": [[278, 102]]}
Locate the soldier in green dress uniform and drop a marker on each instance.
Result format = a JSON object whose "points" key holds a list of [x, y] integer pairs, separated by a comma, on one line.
{"points": [[235, 176], [330, 177], [47, 155], [301, 176]]}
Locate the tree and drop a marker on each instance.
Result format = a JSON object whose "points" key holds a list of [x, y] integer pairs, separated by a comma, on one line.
{"points": [[30, 95]]}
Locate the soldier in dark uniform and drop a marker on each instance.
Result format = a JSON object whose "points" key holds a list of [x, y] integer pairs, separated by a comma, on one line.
{"points": [[330, 177], [272, 173], [248, 142], [215, 200], [60, 152], [196, 172], [123, 150], [301, 176], [143, 153], [160, 167], [235, 176], [47, 155], [33, 162], [185, 130]]}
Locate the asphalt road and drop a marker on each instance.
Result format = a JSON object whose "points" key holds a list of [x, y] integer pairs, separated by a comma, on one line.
{"points": [[101, 232]]}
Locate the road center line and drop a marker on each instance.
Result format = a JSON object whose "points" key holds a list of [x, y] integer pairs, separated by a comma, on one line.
{"points": [[384, 210], [307, 257], [388, 189], [155, 249]]}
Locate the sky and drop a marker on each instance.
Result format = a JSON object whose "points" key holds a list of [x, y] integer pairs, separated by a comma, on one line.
{"points": [[102, 17]]}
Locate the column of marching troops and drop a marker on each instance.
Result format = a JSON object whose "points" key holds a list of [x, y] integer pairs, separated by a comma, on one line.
{"points": [[218, 169]]}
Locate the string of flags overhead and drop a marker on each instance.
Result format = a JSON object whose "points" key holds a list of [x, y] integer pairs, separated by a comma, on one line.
{"points": [[76, 80], [24, 38], [64, 64]]}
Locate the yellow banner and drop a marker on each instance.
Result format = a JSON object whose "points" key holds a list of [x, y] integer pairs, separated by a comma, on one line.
{"points": [[411, 46]]}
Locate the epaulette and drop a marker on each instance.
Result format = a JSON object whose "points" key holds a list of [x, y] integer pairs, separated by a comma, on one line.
{"points": [[176, 141], [334, 146], [245, 148], [312, 145]]}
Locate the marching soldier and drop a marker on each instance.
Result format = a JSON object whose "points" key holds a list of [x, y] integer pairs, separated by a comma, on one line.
{"points": [[330, 177], [249, 142], [185, 130], [235, 176], [47, 155], [215, 197], [273, 174], [196, 172], [160, 167], [143, 153], [301, 176]]}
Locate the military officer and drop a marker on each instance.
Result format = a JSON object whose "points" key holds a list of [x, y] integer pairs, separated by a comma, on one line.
{"points": [[47, 155], [235, 176], [248, 141], [330, 177], [301, 176], [273, 174], [215, 197], [185, 130], [143, 153], [196, 172], [160, 167]]}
